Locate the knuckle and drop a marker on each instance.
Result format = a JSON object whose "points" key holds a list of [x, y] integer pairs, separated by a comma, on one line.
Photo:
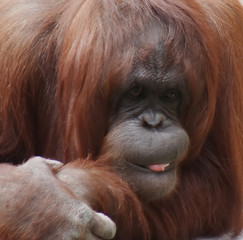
{"points": [[35, 162], [36, 159], [36, 166]]}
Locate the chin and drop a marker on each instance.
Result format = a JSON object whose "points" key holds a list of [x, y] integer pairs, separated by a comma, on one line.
{"points": [[150, 185]]}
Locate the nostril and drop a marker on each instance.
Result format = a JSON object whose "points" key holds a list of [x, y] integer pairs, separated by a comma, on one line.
{"points": [[153, 120]]}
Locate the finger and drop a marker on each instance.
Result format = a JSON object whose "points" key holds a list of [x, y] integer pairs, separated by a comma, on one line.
{"points": [[103, 227], [53, 164], [41, 162]]}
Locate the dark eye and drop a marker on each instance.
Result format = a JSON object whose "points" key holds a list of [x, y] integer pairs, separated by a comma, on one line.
{"points": [[171, 95], [135, 91]]}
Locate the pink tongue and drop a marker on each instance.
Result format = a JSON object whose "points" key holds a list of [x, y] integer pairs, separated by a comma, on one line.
{"points": [[157, 167]]}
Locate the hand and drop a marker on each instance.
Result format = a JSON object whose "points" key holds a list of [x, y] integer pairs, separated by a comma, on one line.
{"points": [[37, 205]]}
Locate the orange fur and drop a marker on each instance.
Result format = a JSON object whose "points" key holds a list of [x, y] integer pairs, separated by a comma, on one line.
{"points": [[58, 72]]}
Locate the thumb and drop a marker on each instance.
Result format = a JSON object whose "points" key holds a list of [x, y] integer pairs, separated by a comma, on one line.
{"points": [[103, 227]]}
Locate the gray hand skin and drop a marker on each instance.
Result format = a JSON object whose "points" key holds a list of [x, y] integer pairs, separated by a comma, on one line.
{"points": [[35, 204]]}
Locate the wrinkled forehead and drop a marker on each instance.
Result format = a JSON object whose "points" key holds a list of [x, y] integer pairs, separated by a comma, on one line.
{"points": [[156, 53], [156, 60]]}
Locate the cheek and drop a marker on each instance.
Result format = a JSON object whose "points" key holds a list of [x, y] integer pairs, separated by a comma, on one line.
{"points": [[135, 149]]}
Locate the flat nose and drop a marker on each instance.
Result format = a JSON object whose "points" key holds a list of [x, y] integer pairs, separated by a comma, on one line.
{"points": [[151, 119]]}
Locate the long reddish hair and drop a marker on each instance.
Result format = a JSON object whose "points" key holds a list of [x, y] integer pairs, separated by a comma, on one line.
{"points": [[60, 70]]}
